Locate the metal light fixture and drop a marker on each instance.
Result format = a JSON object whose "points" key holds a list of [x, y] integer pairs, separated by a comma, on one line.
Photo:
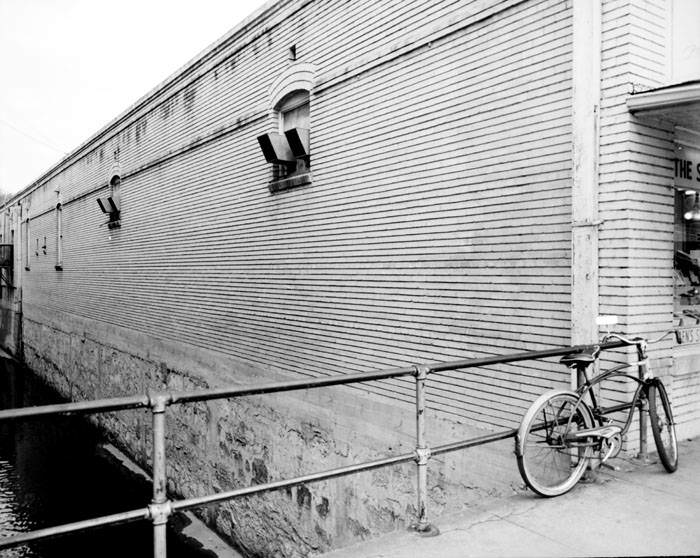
{"points": [[694, 213]]}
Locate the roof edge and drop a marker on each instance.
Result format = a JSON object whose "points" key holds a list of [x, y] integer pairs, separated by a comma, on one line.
{"points": [[665, 97], [181, 73]]}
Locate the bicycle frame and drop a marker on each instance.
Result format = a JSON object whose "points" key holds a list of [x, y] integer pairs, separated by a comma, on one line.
{"points": [[561, 432], [645, 377]]}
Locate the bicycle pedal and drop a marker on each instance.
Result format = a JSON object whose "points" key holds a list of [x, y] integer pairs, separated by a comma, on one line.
{"points": [[610, 466], [614, 444]]}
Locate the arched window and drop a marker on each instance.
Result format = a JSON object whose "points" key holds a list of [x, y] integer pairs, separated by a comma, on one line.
{"points": [[114, 184], [59, 236], [294, 111], [294, 115], [27, 244], [287, 146], [111, 204]]}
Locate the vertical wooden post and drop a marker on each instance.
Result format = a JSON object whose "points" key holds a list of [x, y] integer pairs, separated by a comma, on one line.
{"points": [[643, 358], [584, 194]]}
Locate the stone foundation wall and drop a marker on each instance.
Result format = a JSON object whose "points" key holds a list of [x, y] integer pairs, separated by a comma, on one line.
{"points": [[219, 445], [9, 327]]}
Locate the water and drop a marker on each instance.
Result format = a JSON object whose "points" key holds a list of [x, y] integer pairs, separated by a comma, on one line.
{"points": [[51, 473]]}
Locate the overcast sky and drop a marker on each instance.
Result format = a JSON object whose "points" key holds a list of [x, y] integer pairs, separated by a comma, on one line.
{"points": [[68, 67]]}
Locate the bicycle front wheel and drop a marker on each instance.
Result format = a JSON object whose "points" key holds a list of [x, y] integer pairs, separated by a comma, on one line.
{"points": [[550, 462], [662, 425]]}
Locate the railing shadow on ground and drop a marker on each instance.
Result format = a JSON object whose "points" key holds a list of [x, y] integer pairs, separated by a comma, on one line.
{"points": [[161, 508]]}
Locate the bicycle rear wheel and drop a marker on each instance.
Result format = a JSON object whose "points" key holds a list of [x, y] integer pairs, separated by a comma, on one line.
{"points": [[662, 425], [550, 463]]}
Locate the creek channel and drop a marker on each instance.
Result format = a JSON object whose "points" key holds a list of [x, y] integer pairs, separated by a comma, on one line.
{"points": [[54, 471]]}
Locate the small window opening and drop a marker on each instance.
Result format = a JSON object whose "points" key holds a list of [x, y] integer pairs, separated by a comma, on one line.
{"points": [[27, 244], [6, 267], [288, 148], [294, 114], [292, 53], [111, 205]]}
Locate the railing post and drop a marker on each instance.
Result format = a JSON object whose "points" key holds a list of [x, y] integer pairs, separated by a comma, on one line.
{"points": [[643, 360], [643, 410], [422, 526], [160, 508]]}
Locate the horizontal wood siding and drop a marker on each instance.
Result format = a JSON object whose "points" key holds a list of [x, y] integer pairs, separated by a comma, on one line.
{"points": [[685, 397], [636, 196], [455, 164], [437, 226]]}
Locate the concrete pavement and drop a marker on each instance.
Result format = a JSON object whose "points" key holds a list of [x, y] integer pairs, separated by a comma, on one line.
{"points": [[639, 510]]}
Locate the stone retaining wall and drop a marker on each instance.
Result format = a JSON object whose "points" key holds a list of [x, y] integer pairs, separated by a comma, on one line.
{"points": [[219, 445]]}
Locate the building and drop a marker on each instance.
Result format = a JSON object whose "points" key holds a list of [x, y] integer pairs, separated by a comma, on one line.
{"points": [[479, 177]]}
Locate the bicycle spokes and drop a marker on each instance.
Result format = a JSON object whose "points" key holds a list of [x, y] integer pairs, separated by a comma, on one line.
{"points": [[549, 458]]}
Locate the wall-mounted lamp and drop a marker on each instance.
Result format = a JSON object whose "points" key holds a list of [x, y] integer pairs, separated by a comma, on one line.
{"points": [[276, 149], [298, 139]]}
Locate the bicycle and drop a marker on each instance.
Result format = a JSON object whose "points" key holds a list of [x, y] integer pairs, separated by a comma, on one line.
{"points": [[560, 433]]}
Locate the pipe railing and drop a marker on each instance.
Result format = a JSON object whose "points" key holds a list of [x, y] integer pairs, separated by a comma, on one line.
{"points": [[160, 509]]}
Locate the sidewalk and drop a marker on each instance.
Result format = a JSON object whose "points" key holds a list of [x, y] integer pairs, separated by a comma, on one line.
{"points": [[639, 510]]}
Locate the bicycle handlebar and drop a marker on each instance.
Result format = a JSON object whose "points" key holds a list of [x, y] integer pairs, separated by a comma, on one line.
{"points": [[619, 337], [666, 334], [636, 340]]}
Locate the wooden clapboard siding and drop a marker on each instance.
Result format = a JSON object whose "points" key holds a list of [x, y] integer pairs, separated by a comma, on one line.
{"points": [[434, 107], [438, 224], [685, 390], [636, 201]]}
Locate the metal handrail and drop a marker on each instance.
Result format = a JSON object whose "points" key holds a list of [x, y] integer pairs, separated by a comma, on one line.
{"points": [[161, 508], [77, 407]]}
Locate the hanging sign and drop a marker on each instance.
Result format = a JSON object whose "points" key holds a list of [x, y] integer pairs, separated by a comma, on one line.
{"points": [[688, 335], [686, 168]]}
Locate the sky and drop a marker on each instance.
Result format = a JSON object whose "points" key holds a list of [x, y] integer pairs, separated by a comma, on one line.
{"points": [[68, 67]]}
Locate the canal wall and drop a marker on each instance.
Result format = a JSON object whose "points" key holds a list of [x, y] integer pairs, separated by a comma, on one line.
{"points": [[220, 445], [11, 328]]}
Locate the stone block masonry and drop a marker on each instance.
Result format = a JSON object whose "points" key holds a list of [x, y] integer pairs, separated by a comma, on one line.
{"points": [[10, 330], [224, 444]]}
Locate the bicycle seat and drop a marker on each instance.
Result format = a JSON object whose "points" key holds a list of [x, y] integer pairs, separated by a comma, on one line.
{"points": [[577, 359]]}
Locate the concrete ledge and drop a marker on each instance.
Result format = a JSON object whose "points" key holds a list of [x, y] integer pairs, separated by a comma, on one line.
{"points": [[186, 524]]}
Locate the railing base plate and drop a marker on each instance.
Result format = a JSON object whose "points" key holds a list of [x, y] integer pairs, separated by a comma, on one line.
{"points": [[424, 529]]}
